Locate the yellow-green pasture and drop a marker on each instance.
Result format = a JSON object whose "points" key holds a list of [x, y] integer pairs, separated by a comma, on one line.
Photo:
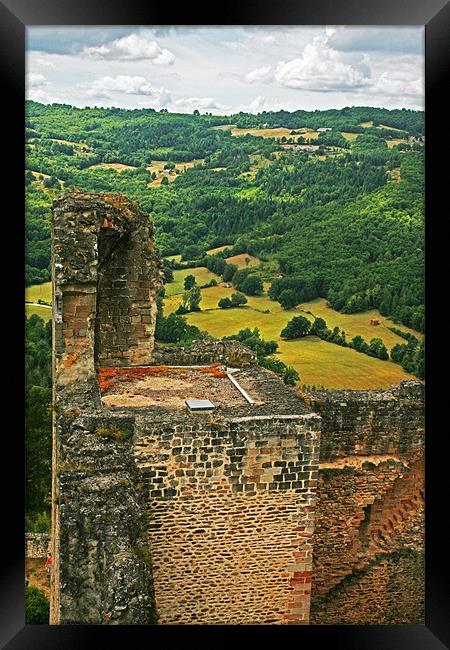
{"points": [[354, 324], [223, 127], [43, 312], [366, 125], [213, 251], [391, 128], [240, 260], [394, 141], [257, 162], [317, 361], [39, 291], [349, 136], [33, 294], [321, 363], [157, 166], [278, 132], [175, 258], [118, 167], [201, 274]]}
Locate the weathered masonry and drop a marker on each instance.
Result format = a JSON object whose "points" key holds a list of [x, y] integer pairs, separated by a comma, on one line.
{"points": [[162, 513]]}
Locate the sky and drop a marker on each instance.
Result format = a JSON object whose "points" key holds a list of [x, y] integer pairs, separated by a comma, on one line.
{"points": [[224, 70]]}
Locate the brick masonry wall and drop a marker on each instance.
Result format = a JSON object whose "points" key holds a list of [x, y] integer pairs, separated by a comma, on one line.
{"points": [[368, 542], [231, 512], [37, 544], [106, 274]]}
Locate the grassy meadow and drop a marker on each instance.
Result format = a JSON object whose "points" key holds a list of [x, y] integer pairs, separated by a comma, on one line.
{"points": [[318, 362]]}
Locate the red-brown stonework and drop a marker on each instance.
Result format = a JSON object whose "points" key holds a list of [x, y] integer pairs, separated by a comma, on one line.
{"points": [[368, 540]]}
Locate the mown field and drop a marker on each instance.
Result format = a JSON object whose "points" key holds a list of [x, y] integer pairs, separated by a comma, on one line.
{"points": [[274, 132], [318, 362], [157, 166]]}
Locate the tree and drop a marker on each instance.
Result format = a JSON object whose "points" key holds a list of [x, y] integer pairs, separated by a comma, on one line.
{"points": [[225, 303], [252, 285], [36, 606], [298, 327], [192, 298], [189, 282], [378, 349], [238, 299], [229, 271], [287, 299], [164, 180], [318, 326], [287, 373]]}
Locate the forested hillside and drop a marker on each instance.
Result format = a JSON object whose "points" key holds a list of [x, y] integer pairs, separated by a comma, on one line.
{"points": [[343, 221]]}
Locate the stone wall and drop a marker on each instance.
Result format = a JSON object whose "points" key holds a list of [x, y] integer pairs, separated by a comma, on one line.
{"points": [[230, 353], [368, 542], [106, 274], [231, 517], [37, 544]]}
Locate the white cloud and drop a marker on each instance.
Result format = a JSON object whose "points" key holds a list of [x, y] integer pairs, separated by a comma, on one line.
{"points": [[259, 74], [124, 84], [319, 68], [134, 47], [258, 105], [199, 103], [44, 61], [398, 84], [42, 96], [35, 80]]}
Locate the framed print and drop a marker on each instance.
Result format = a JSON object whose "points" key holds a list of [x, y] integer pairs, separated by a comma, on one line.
{"points": [[230, 239]]}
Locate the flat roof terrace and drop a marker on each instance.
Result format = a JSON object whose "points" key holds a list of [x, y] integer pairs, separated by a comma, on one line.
{"points": [[168, 387]]}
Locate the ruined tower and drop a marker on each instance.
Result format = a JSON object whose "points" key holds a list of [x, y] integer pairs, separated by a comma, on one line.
{"points": [[190, 485]]}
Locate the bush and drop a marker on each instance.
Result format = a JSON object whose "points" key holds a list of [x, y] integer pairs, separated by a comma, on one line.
{"points": [[287, 373], [238, 299], [252, 285], [38, 522], [225, 303], [298, 327], [36, 606]]}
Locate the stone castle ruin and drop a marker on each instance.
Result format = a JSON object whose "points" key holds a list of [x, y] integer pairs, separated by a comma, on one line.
{"points": [[191, 486]]}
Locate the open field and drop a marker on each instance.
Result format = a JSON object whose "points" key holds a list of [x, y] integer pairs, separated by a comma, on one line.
{"points": [[317, 361], [201, 274], [321, 363], [157, 166], [176, 258], [119, 167], [353, 324], [223, 127], [43, 312], [213, 251], [349, 136], [392, 143], [36, 291], [366, 125], [240, 260], [274, 132], [391, 128]]}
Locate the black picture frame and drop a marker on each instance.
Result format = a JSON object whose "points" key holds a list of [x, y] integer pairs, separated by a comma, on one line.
{"points": [[15, 16]]}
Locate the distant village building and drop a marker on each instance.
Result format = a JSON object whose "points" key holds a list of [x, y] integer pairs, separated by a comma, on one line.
{"points": [[375, 321], [322, 129]]}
